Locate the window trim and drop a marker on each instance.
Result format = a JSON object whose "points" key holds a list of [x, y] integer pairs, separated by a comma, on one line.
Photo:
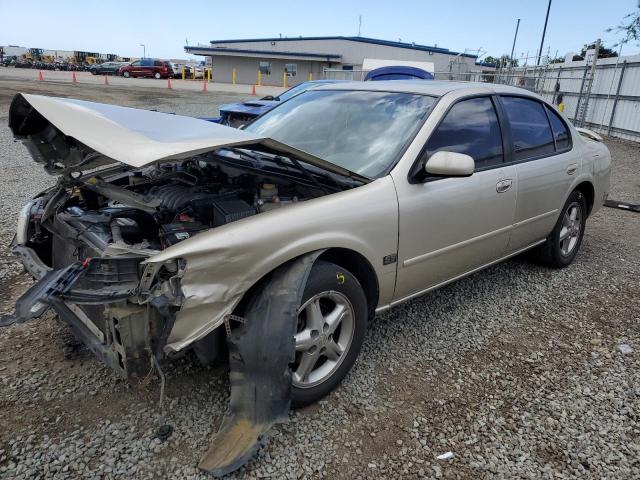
{"points": [[548, 111], [413, 176], [512, 160]]}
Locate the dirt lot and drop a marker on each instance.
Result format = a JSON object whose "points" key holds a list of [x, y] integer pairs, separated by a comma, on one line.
{"points": [[519, 371]]}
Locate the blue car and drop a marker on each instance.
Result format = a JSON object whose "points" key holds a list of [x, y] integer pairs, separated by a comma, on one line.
{"points": [[398, 72], [236, 114]]}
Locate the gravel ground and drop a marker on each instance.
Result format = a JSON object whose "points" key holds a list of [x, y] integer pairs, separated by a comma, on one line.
{"points": [[518, 371]]}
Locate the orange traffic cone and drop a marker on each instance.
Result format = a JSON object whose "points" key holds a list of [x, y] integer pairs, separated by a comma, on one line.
{"points": [[204, 86], [169, 83], [40, 76], [253, 90], [73, 78], [106, 80]]}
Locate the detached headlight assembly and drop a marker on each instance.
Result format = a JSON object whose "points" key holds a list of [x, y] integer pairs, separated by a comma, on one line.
{"points": [[22, 231]]}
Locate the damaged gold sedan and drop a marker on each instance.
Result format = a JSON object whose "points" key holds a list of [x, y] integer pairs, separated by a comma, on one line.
{"points": [[278, 242]]}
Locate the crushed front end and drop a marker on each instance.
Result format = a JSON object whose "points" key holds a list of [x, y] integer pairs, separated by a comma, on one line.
{"points": [[102, 297]]}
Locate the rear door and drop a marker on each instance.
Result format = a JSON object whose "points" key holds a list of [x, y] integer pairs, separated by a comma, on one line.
{"points": [[450, 226], [546, 165]]}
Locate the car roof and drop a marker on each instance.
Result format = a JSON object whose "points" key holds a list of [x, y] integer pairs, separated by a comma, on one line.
{"points": [[435, 88]]}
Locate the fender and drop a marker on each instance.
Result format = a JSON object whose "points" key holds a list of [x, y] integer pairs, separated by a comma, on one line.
{"points": [[224, 263]]}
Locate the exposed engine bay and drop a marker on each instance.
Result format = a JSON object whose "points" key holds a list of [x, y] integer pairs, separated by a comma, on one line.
{"points": [[138, 211]]}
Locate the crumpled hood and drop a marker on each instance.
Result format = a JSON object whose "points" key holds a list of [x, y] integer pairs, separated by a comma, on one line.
{"points": [[129, 135]]}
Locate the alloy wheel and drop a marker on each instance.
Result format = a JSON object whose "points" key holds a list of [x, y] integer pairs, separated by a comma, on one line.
{"points": [[326, 326], [570, 231]]}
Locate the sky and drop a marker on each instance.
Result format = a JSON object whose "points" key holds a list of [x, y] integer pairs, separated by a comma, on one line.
{"points": [[115, 26]]}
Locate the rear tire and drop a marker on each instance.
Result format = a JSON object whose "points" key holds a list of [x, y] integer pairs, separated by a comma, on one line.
{"points": [[332, 322], [157, 76], [563, 243]]}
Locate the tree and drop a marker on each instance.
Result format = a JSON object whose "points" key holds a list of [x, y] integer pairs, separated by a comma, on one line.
{"points": [[629, 27], [603, 52], [501, 62]]}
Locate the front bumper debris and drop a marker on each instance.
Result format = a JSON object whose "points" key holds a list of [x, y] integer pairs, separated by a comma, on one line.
{"points": [[260, 351], [91, 297], [41, 295]]}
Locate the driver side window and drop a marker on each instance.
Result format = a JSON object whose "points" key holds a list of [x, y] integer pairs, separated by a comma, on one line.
{"points": [[470, 127]]}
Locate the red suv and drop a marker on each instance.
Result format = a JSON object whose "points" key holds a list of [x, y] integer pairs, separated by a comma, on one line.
{"points": [[147, 67]]}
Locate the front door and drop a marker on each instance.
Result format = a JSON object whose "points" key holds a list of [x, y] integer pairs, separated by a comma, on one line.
{"points": [[450, 226]]}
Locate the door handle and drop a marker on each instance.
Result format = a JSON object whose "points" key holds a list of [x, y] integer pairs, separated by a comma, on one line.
{"points": [[503, 185], [571, 169]]}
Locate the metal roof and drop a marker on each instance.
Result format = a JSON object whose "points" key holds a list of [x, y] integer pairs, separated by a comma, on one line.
{"points": [[375, 41], [192, 49]]}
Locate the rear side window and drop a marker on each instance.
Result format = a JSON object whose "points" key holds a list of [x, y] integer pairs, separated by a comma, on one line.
{"points": [[560, 132], [530, 130], [470, 127]]}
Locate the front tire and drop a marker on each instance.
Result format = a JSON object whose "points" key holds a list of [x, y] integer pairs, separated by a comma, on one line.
{"points": [[126, 74], [563, 243], [157, 76], [332, 322]]}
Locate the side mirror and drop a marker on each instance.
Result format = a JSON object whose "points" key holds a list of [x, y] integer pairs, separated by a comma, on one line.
{"points": [[450, 164], [268, 97]]}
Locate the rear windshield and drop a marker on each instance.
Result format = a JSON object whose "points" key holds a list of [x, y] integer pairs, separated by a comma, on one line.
{"points": [[362, 131]]}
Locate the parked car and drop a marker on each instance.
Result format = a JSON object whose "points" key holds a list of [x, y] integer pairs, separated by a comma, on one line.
{"points": [[399, 72], [288, 236], [109, 68], [146, 67], [236, 114], [178, 68]]}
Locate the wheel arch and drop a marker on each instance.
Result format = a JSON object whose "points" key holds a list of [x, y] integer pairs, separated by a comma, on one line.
{"points": [[588, 190], [346, 258], [360, 267]]}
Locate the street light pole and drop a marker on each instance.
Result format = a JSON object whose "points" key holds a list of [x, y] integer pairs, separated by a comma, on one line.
{"points": [[544, 31], [144, 50], [513, 47]]}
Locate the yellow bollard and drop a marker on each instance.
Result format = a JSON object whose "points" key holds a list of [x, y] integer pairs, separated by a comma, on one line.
{"points": [[233, 76], [561, 107], [193, 75], [259, 78], [310, 76], [284, 79], [183, 73]]}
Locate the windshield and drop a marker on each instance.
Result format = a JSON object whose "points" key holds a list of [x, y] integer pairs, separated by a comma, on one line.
{"points": [[292, 92], [361, 131]]}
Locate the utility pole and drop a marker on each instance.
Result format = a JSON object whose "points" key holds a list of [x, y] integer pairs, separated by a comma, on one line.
{"points": [[544, 31], [144, 50], [359, 24], [513, 47]]}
